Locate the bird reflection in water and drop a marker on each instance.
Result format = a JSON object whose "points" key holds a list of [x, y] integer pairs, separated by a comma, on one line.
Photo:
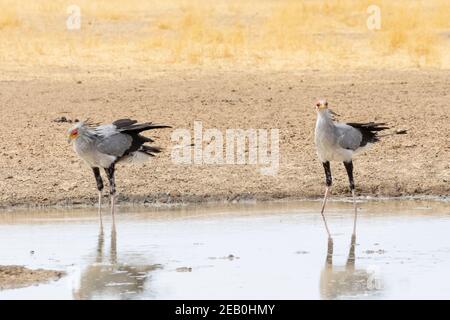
{"points": [[337, 282], [110, 279]]}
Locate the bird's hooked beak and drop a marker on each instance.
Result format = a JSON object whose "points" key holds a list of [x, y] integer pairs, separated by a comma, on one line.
{"points": [[73, 134], [321, 105]]}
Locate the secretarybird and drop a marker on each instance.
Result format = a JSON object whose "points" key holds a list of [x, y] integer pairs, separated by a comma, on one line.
{"points": [[105, 145], [340, 142]]}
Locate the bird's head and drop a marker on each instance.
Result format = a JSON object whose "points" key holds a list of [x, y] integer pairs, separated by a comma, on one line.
{"points": [[321, 104], [75, 131], [322, 108]]}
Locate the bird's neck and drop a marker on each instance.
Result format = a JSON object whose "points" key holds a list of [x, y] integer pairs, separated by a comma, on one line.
{"points": [[324, 116]]}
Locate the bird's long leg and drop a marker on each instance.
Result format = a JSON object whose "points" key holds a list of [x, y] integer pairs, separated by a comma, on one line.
{"points": [[328, 178], [349, 167], [112, 188], [98, 179]]}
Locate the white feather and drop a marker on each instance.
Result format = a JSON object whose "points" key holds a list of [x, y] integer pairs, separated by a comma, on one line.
{"points": [[136, 157]]}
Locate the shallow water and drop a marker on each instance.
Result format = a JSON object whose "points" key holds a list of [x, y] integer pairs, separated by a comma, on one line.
{"points": [[264, 251]]}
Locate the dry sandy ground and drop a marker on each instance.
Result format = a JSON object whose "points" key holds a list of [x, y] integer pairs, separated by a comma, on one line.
{"points": [[19, 276], [38, 167]]}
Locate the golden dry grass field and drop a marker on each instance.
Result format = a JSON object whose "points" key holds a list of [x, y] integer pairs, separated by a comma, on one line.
{"points": [[231, 64], [156, 34]]}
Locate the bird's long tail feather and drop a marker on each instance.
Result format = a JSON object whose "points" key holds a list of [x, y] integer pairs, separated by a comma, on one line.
{"points": [[136, 128], [402, 131], [149, 150]]}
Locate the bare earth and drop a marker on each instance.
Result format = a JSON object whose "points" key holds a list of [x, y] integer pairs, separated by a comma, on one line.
{"points": [[19, 276], [38, 167]]}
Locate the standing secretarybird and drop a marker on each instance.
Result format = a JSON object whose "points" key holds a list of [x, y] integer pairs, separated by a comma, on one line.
{"points": [[339, 142], [105, 145]]}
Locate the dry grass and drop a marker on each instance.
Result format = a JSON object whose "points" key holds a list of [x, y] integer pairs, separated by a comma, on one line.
{"points": [[415, 31], [8, 16], [259, 33]]}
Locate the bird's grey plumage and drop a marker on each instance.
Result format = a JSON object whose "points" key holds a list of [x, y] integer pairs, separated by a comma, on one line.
{"points": [[115, 144], [104, 145], [339, 141], [347, 136], [329, 139]]}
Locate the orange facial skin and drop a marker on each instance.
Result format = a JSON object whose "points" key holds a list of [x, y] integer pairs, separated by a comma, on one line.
{"points": [[73, 134]]}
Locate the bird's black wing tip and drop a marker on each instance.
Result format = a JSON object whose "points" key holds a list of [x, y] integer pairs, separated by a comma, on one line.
{"points": [[123, 123], [369, 126]]}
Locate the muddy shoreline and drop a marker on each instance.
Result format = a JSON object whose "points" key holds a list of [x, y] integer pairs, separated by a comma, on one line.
{"points": [[188, 201], [12, 277]]}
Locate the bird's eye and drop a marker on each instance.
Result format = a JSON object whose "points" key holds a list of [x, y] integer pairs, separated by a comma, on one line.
{"points": [[326, 104], [318, 104]]}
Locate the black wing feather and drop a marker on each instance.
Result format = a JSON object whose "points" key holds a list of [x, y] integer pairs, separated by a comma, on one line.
{"points": [[150, 150], [369, 131], [133, 129], [123, 123], [142, 127]]}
